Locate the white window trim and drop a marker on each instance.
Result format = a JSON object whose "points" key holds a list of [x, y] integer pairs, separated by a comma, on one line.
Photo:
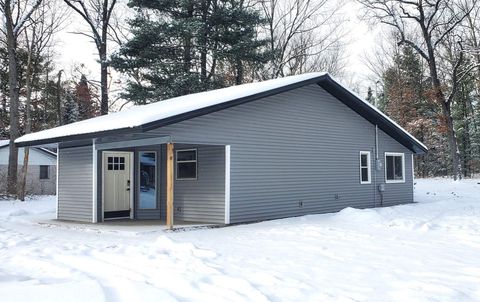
{"points": [[403, 167], [186, 161], [369, 167], [156, 180]]}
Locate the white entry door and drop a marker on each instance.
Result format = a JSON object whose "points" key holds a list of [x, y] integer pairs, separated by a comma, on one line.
{"points": [[116, 184]]}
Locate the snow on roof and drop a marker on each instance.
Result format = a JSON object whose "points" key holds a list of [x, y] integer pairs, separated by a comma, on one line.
{"points": [[144, 114], [6, 142], [139, 115]]}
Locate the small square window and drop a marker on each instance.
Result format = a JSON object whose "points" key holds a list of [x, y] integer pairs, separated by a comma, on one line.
{"points": [[44, 172], [110, 167], [110, 159]]}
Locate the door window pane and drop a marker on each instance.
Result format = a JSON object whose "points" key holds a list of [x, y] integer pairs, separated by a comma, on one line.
{"points": [[148, 184]]}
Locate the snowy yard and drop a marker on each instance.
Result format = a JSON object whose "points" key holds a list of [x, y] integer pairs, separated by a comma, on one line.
{"points": [[428, 251]]}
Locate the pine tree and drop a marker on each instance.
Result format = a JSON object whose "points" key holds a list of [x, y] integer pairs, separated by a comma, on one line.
{"points": [[70, 108], [370, 98], [467, 126], [408, 100], [184, 46], [83, 96]]}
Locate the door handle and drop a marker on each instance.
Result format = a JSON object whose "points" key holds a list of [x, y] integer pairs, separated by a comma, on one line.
{"points": [[128, 185]]}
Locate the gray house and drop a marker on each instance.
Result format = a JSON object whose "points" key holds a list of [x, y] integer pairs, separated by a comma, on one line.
{"points": [[285, 147], [41, 173]]}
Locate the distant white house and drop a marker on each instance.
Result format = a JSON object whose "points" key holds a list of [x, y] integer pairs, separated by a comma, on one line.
{"points": [[42, 169]]}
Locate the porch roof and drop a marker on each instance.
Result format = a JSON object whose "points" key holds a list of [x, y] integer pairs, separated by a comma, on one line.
{"points": [[151, 116]]}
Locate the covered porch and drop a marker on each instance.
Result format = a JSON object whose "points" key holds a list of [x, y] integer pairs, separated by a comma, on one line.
{"points": [[155, 179]]}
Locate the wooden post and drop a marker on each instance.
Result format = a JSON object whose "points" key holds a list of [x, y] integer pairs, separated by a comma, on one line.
{"points": [[170, 181]]}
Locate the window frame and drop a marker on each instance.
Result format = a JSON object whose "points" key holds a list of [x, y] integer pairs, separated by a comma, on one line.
{"points": [[395, 154], [369, 167], [186, 161], [40, 172]]}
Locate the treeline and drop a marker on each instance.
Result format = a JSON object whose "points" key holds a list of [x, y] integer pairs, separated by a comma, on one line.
{"points": [[428, 78], [33, 93], [157, 48], [179, 47]]}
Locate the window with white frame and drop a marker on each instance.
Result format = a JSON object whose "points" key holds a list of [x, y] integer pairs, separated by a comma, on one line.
{"points": [[187, 164], [394, 167], [365, 174]]}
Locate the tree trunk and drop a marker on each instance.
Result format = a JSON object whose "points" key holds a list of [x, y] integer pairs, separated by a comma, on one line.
{"points": [[187, 51], [28, 119], [104, 84], [239, 73], [204, 40], [452, 141], [59, 98], [102, 52], [447, 114], [14, 91]]}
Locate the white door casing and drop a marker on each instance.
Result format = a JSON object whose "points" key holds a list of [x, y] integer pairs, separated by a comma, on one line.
{"points": [[117, 182]]}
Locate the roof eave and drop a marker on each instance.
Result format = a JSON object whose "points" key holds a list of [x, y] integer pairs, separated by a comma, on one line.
{"points": [[173, 119], [325, 81], [75, 137]]}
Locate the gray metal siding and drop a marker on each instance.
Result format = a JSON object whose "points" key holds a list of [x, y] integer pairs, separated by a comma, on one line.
{"points": [[203, 199], [75, 183], [395, 193], [293, 153]]}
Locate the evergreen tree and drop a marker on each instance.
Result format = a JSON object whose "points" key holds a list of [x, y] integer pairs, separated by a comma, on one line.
{"points": [[467, 126], [184, 46], [408, 100], [70, 108], [370, 98], [83, 96]]}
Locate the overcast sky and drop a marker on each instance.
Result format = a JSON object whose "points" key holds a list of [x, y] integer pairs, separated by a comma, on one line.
{"points": [[76, 49]]}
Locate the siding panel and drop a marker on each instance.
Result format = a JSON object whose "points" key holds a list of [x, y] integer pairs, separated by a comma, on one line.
{"points": [[294, 153], [203, 199], [75, 189]]}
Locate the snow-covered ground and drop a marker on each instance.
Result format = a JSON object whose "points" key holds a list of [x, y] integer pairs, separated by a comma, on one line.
{"points": [[429, 251]]}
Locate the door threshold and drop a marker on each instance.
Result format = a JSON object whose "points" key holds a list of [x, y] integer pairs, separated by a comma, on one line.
{"points": [[117, 218], [116, 214]]}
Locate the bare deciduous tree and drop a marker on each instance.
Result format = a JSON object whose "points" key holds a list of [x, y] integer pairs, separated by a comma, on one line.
{"points": [[97, 14], [16, 16], [304, 36], [43, 24], [424, 26]]}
